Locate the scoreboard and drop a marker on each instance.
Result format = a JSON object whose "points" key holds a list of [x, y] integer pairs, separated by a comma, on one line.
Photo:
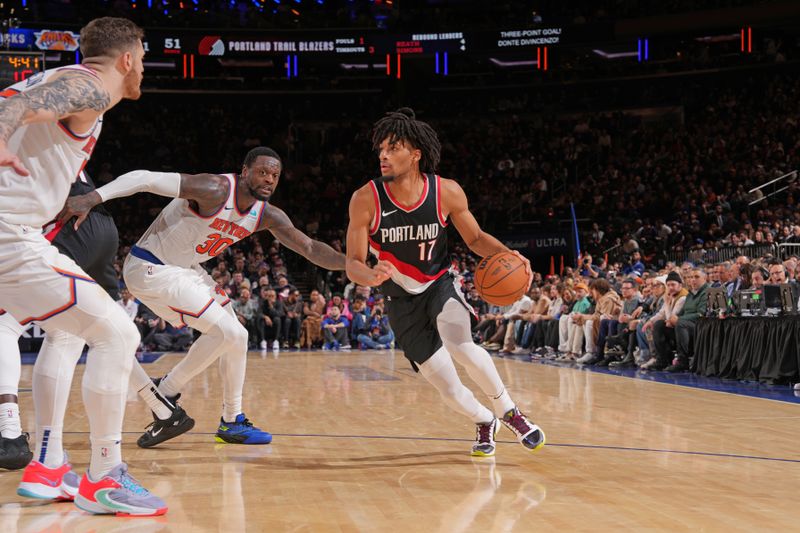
{"points": [[343, 43], [19, 66]]}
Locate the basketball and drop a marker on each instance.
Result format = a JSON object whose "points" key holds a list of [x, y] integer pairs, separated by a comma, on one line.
{"points": [[501, 278]]}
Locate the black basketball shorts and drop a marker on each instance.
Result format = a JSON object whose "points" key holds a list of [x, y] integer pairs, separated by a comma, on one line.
{"points": [[413, 318]]}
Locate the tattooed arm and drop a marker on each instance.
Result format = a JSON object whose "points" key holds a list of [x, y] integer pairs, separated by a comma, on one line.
{"points": [[278, 223], [69, 94]]}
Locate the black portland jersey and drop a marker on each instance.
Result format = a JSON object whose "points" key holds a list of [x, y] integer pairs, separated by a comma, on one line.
{"points": [[412, 238]]}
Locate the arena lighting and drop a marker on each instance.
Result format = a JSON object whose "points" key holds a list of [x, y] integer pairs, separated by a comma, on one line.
{"points": [[615, 55], [643, 50], [749, 47], [438, 70]]}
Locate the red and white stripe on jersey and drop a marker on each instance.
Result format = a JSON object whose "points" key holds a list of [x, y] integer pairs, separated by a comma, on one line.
{"points": [[408, 276]]}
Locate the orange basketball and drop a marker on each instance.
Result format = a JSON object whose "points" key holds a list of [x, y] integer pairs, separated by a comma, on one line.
{"points": [[501, 278]]}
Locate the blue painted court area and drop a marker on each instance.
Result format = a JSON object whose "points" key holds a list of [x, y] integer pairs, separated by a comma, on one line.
{"points": [[29, 358], [781, 393]]}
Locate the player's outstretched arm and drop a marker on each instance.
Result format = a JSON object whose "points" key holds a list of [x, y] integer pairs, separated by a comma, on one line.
{"points": [[361, 213], [319, 253], [454, 204], [210, 191], [65, 95]]}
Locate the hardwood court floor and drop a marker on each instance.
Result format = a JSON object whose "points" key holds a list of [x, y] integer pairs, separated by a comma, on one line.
{"points": [[364, 444]]}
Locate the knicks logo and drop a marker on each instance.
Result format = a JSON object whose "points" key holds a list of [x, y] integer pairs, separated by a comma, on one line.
{"points": [[57, 40]]}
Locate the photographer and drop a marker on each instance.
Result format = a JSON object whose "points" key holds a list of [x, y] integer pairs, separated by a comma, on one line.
{"points": [[380, 333], [588, 270]]}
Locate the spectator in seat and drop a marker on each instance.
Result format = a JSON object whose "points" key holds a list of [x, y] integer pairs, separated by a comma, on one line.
{"points": [[658, 290], [313, 311], [607, 308], [517, 322], [360, 325], [128, 303], [545, 334], [247, 311], [273, 317], [293, 322], [283, 287], [488, 324], [145, 321], [611, 326], [334, 329], [663, 323], [342, 304], [685, 330], [570, 298], [234, 285], [166, 337]]}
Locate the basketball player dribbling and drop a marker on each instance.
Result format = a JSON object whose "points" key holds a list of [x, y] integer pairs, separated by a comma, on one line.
{"points": [[209, 213], [49, 125], [402, 217]]}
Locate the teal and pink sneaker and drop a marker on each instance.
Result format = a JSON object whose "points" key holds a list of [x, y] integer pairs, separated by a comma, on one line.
{"points": [[43, 483], [118, 493]]}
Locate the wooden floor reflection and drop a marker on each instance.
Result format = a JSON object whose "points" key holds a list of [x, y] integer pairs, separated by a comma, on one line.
{"points": [[364, 444]]}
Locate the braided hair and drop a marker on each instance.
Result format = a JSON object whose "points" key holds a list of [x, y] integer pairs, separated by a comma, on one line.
{"points": [[402, 125]]}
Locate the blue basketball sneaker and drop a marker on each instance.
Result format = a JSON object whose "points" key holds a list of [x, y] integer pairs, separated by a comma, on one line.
{"points": [[241, 431]]}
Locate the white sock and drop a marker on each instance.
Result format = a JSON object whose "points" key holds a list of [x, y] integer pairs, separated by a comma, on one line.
{"points": [[156, 401], [52, 380], [10, 426], [49, 446], [106, 454], [143, 385], [502, 403]]}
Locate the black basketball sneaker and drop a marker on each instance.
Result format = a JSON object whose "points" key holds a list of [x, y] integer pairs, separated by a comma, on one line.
{"points": [[15, 453], [162, 430]]}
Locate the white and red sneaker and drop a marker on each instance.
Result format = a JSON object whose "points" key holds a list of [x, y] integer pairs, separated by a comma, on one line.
{"points": [[39, 481], [118, 493]]}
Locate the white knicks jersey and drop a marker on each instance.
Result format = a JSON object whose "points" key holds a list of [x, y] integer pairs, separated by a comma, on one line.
{"points": [[182, 237], [52, 153]]}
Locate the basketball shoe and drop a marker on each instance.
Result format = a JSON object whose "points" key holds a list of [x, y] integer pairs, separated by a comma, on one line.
{"points": [[118, 493], [162, 430], [15, 453], [241, 431], [484, 439], [39, 481], [528, 434]]}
